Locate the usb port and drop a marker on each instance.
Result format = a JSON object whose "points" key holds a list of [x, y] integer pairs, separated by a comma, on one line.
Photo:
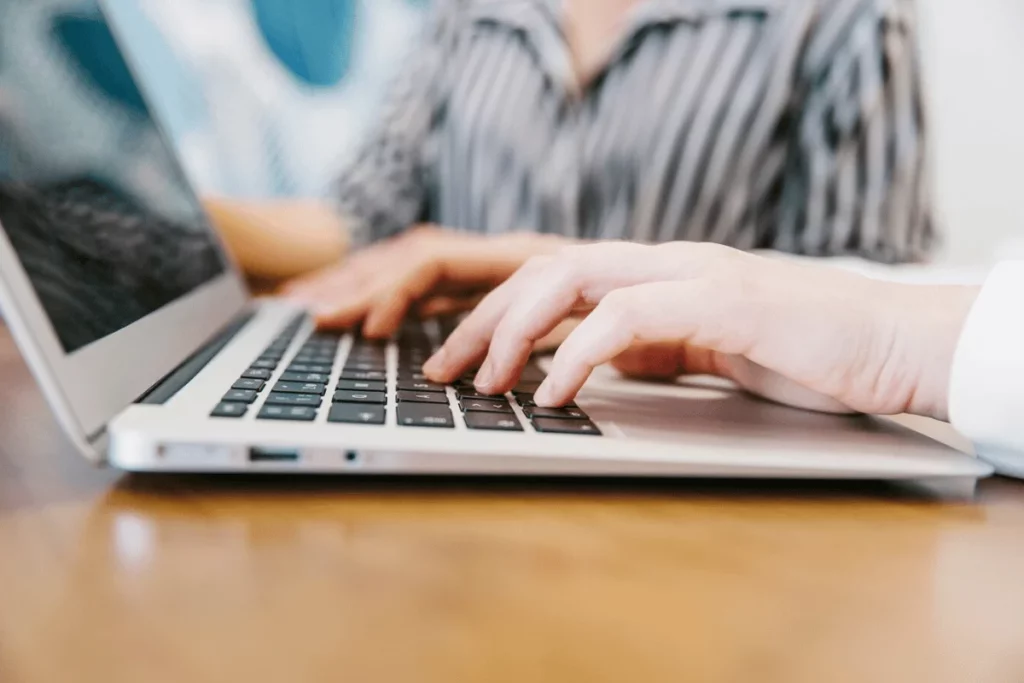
{"points": [[259, 454]]}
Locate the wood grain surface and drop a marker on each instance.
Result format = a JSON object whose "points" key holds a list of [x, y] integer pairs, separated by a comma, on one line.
{"points": [[109, 577]]}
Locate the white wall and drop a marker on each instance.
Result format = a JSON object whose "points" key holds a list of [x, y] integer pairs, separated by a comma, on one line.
{"points": [[974, 53]]}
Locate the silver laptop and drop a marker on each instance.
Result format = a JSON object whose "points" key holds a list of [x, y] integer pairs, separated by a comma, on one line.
{"points": [[153, 357]]}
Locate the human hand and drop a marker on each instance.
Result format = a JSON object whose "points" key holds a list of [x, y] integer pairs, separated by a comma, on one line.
{"points": [[809, 336], [434, 270]]}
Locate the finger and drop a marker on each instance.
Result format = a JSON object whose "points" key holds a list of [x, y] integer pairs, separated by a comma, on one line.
{"points": [[584, 275], [649, 361], [467, 345], [558, 335], [544, 289], [390, 307], [678, 312], [332, 296], [667, 361], [441, 306]]}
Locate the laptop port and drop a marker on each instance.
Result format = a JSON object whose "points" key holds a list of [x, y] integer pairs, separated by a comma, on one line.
{"points": [[260, 454]]}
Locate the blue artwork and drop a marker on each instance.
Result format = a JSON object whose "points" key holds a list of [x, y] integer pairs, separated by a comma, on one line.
{"points": [[90, 46], [267, 97], [313, 38]]}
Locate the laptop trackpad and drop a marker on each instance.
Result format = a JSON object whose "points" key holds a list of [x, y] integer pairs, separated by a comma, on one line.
{"points": [[693, 407]]}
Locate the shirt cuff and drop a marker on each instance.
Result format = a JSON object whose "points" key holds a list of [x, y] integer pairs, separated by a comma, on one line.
{"points": [[986, 391]]}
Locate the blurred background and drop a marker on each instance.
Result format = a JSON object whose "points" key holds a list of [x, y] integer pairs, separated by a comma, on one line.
{"points": [[265, 98], [974, 53]]}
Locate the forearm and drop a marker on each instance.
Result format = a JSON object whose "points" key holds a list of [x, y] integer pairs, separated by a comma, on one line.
{"points": [[279, 240]]}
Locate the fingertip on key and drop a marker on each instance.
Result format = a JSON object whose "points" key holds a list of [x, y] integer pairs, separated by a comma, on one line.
{"points": [[485, 378], [545, 395], [435, 367]]}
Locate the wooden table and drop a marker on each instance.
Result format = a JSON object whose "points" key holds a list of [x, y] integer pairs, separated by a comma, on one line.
{"points": [[107, 577]]}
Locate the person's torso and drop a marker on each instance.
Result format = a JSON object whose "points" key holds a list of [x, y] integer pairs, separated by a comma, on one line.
{"points": [[682, 135]]}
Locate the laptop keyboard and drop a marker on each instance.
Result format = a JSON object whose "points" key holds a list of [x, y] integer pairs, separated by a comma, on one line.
{"points": [[365, 389]]}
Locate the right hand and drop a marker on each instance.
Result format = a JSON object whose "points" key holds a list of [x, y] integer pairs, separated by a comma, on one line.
{"points": [[809, 336], [426, 270]]}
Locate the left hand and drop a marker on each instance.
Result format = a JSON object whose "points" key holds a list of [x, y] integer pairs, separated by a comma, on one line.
{"points": [[426, 270]]}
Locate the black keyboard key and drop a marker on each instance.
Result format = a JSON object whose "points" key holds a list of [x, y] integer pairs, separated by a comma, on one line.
{"points": [[369, 375], [548, 425], [407, 376], [351, 413], [256, 373], [526, 401], [314, 360], [320, 377], [295, 413], [280, 399], [300, 388], [379, 358], [364, 366], [329, 354], [493, 422], [473, 394], [254, 384], [228, 409], [275, 357], [406, 385], [378, 397], [560, 413], [264, 364], [484, 405], [526, 388], [421, 397], [425, 415], [368, 346], [318, 351], [325, 337], [308, 367], [357, 385], [240, 396]]}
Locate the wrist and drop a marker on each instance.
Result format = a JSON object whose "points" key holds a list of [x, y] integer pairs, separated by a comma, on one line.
{"points": [[929, 330]]}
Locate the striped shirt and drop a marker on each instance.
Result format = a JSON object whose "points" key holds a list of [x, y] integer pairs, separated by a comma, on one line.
{"points": [[794, 125]]}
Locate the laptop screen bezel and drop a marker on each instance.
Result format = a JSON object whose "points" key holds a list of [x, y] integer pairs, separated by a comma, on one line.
{"points": [[93, 384]]}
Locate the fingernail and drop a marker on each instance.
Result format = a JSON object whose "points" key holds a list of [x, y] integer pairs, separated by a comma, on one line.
{"points": [[544, 395], [485, 377], [436, 362]]}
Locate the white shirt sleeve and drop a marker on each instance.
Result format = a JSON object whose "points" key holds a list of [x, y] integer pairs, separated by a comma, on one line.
{"points": [[986, 392]]}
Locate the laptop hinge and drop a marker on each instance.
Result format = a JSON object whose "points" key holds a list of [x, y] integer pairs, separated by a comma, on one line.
{"points": [[98, 442], [175, 381]]}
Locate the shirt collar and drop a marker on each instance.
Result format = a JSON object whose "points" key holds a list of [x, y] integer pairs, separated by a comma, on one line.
{"points": [[540, 21], [522, 13]]}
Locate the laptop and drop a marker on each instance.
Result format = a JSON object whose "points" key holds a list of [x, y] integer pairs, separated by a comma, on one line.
{"points": [[154, 358]]}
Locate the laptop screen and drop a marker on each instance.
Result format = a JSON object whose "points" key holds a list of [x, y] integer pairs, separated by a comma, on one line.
{"points": [[92, 197]]}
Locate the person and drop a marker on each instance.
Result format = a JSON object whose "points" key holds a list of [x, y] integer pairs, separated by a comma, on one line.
{"points": [[522, 126], [809, 336]]}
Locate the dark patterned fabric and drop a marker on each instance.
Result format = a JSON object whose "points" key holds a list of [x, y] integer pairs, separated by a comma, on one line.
{"points": [[788, 124]]}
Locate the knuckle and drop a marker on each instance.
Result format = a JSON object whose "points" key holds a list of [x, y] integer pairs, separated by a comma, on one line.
{"points": [[537, 264], [619, 306], [571, 264]]}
